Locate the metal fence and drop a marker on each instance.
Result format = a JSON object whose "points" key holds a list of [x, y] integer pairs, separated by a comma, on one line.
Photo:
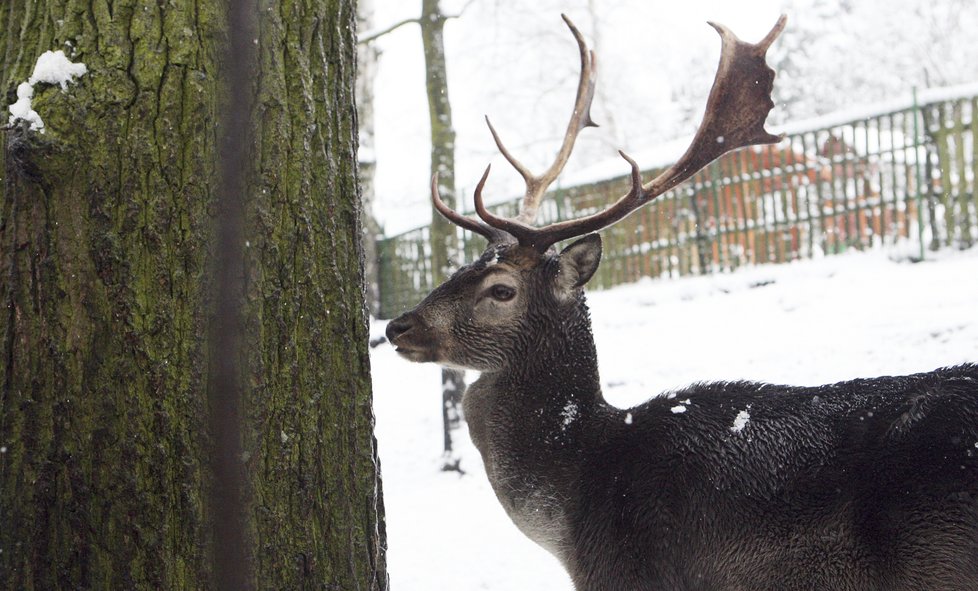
{"points": [[905, 173]]}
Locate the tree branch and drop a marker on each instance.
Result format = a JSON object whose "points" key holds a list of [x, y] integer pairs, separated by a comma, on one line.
{"points": [[373, 36]]}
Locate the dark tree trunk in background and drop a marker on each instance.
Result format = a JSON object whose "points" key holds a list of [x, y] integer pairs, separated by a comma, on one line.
{"points": [[704, 254], [106, 225], [444, 244], [367, 55]]}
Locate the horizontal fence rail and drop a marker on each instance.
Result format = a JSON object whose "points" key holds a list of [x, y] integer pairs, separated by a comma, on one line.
{"points": [[903, 175]]}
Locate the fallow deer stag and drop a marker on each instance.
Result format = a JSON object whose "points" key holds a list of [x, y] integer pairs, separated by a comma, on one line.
{"points": [[870, 484]]}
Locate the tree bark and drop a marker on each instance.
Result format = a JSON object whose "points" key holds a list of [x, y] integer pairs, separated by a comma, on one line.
{"points": [[106, 227]]}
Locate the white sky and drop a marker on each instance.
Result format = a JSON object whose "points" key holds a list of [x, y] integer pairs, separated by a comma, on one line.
{"points": [[519, 66]]}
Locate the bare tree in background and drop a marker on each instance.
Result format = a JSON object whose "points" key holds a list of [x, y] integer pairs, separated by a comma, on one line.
{"points": [[367, 55], [880, 48], [444, 238]]}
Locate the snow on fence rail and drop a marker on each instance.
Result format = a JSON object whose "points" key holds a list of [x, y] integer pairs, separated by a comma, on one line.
{"points": [[904, 174]]}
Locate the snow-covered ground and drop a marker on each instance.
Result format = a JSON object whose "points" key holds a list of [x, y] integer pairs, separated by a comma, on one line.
{"points": [[862, 314]]}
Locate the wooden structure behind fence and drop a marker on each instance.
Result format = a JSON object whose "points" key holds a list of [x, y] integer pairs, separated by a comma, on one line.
{"points": [[903, 175]]}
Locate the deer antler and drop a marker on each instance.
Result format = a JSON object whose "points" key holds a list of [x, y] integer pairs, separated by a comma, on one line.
{"points": [[491, 234], [536, 185], [735, 112], [736, 109]]}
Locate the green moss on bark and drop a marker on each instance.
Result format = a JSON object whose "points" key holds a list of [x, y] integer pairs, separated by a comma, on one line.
{"points": [[104, 233]]}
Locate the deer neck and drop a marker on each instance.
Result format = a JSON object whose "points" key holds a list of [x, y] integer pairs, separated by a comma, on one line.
{"points": [[537, 409], [556, 370], [560, 368], [530, 422]]}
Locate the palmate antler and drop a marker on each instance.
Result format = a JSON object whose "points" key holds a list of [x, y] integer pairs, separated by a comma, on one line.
{"points": [[735, 112]]}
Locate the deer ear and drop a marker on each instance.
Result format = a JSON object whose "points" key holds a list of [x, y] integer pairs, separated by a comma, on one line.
{"points": [[578, 262]]}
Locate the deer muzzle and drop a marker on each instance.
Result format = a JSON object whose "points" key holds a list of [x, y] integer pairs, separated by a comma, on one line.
{"points": [[411, 338]]}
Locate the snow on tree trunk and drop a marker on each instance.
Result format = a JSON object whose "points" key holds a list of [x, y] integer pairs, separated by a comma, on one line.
{"points": [[106, 223]]}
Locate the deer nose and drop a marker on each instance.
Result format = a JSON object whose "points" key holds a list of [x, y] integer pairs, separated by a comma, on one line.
{"points": [[399, 326]]}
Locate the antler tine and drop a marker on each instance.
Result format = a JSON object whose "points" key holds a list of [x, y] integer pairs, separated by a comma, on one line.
{"points": [[764, 44], [580, 118], [736, 109], [536, 185], [520, 168], [491, 234], [508, 226]]}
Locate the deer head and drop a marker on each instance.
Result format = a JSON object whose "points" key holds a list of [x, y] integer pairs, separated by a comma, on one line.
{"points": [[490, 311], [481, 318]]}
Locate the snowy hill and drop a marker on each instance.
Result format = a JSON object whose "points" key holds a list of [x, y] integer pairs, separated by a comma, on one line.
{"points": [[862, 314]]}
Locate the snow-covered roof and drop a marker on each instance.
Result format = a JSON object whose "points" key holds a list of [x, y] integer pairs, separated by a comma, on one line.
{"points": [[869, 110]]}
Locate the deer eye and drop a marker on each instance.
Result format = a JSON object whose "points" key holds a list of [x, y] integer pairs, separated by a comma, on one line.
{"points": [[502, 292]]}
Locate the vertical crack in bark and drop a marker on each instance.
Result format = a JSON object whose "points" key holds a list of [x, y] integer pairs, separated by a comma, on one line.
{"points": [[10, 228]]}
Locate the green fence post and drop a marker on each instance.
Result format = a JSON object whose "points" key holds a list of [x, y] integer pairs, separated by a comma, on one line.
{"points": [[960, 166], [916, 150]]}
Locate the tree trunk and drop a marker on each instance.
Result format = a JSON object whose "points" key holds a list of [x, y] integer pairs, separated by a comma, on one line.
{"points": [[106, 226], [444, 243]]}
